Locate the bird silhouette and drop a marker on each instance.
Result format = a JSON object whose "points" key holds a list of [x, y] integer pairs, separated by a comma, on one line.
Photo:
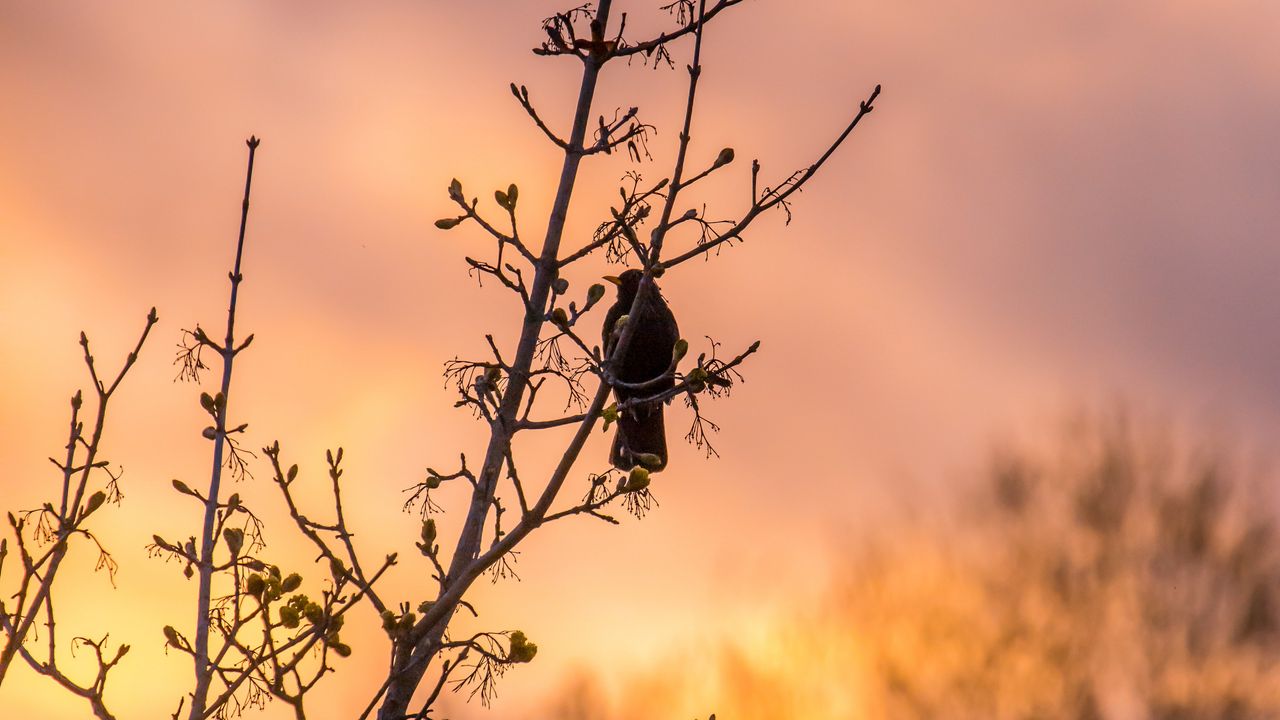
{"points": [[648, 355]]}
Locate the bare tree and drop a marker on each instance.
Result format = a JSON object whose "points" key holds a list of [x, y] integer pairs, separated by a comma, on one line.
{"points": [[257, 634], [260, 637], [504, 389], [44, 538]]}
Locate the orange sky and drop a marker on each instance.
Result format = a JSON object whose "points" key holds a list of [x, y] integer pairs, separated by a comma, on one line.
{"points": [[1055, 202]]}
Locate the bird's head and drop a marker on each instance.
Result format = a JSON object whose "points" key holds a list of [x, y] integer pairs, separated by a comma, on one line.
{"points": [[628, 283]]}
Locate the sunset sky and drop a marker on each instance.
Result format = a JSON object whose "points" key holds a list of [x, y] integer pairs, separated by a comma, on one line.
{"points": [[1054, 204]]}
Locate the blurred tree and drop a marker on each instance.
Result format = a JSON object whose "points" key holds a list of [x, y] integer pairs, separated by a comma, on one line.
{"points": [[1115, 576]]}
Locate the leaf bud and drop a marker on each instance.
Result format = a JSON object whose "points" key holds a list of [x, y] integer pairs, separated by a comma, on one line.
{"points": [[343, 649], [560, 317], [171, 635], [210, 433], [95, 502], [206, 402], [610, 415], [429, 531], [680, 350], [234, 538], [448, 223], [638, 479], [561, 286], [725, 157], [455, 190], [594, 293], [513, 192]]}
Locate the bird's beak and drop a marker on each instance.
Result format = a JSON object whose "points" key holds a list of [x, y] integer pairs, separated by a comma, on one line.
{"points": [[614, 279]]}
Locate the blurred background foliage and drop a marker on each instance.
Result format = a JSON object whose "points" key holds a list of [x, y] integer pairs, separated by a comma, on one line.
{"points": [[1116, 569]]}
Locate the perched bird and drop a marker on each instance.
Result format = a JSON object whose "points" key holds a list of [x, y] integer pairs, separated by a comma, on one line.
{"points": [[648, 355]]}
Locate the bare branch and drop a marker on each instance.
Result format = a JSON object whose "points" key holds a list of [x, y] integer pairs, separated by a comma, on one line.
{"points": [[772, 198]]}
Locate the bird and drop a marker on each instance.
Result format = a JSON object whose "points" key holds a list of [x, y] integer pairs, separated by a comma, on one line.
{"points": [[648, 355]]}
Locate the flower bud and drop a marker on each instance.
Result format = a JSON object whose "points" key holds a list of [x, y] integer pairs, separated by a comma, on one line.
{"points": [[725, 157], [522, 651], [255, 585], [291, 583], [448, 223], [560, 317], [561, 286], [289, 617], [594, 293]]}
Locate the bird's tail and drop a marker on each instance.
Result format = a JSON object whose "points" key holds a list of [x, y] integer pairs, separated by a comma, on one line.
{"points": [[640, 431]]}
